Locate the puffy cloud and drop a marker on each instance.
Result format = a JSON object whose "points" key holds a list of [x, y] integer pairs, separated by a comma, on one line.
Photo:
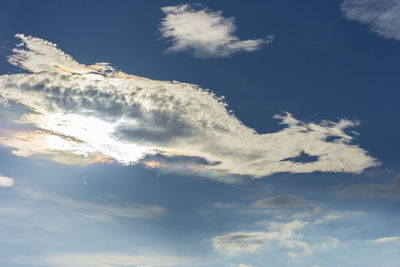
{"points": [[383, 16], [385, 239], [6, 181], [373, 190], [204, 32], [94, 113], [282, 201]]}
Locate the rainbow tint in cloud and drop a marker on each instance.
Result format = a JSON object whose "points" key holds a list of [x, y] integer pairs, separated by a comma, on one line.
{"points": [[188, 168]]}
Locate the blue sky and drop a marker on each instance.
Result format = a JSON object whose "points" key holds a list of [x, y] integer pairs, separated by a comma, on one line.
{"points": [[218, 133]]}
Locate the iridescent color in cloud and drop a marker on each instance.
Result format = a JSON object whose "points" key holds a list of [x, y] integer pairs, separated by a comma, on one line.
{"points": [[96, 113]]}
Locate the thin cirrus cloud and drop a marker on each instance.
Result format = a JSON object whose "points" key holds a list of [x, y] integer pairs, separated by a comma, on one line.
{"points": [[382, 190], [93, 210], [6, 181], [85, 114], [383, 16], [204, 32], [282, 201]]}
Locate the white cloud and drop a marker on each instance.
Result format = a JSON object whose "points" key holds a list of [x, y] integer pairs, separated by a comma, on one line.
{"points": [[281, 234], [87, 114], [286, 234], [6, 181], [204, 32], [385, 239], [383, 16]]}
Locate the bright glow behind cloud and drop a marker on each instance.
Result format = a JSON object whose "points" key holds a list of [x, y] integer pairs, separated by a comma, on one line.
{"points": [[204, 32], [94, 113]]}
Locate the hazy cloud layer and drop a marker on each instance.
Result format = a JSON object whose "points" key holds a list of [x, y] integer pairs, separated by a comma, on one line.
{"points": [[383, 16], [86, 114], [373, 190], [203, 32]]}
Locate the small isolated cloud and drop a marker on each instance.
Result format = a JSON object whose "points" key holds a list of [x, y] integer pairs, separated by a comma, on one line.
{"points": [[6, 181], [82, 114], [385, 239], [383, 16], [204, 32], [390, 190], [283, 201]]}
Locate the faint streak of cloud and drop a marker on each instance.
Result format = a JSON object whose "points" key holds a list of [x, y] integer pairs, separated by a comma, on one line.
{"points": [[385, 239], [281, 201], [97, 211], [390, 190], [204, 32]]}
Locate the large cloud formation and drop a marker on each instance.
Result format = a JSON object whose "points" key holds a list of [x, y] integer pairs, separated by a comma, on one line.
{"points": [[83, 114], [204, 32]]}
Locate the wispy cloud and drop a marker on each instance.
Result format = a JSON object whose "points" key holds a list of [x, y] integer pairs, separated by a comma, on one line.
{"points": [[93, 210], [204, 32], [382, 190], [282, 201], [383, 16], [281, 234], [385, 239], [6, 181], [85, 114], [286, 234]]}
